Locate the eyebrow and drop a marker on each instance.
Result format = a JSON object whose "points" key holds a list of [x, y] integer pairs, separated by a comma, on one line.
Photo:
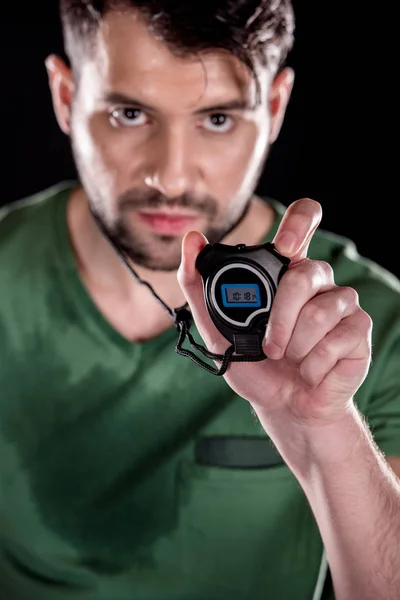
{"points": [[235, 104]]}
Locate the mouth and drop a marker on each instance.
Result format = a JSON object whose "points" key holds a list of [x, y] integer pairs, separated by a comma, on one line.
{"points": [[167, 223]]}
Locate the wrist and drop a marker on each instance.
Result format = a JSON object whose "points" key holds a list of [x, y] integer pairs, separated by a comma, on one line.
{"points": [[309, 445]]}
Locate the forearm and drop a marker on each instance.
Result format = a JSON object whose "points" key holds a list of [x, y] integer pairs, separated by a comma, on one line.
{"points": [[355, 498]]}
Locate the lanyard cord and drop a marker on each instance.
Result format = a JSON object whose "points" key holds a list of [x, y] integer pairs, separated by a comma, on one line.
{"points": [[183, 320], [169, 310]]}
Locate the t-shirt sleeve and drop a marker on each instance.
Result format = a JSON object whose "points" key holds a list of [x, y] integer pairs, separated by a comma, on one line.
{"points": [[383, 410]]}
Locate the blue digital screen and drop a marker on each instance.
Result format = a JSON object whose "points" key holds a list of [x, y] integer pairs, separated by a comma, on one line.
{"points": [[241, 295]]}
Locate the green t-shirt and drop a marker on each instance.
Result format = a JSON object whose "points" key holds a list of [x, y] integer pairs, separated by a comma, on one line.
{"points": [[111, 484]]}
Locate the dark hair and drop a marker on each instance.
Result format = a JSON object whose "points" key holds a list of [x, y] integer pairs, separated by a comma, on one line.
{"points": [[255, 31]]}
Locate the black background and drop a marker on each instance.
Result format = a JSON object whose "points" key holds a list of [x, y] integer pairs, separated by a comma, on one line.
{"points": [[337, 144]]}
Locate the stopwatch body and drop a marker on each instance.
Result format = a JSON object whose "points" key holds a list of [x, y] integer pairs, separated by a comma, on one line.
{"points": [[240, 284]]}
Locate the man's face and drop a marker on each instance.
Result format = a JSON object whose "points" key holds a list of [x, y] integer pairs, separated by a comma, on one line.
{"points": [[165, 144]]}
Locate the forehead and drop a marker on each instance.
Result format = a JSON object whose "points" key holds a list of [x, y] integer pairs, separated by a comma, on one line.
{"points": [[128, 58]]}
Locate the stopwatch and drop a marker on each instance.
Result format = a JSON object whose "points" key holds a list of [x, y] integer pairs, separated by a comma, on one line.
{"points": [[240, 283]]}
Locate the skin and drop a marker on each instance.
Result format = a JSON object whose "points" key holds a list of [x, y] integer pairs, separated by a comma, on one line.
{"points": [[169, 151], [318, 340]]}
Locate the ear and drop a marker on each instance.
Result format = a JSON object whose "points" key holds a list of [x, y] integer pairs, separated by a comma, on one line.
{"points": [[62, 89], [280, 91]]}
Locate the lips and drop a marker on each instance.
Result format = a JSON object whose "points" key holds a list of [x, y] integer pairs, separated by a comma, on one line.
{"points": [[167, 224]]}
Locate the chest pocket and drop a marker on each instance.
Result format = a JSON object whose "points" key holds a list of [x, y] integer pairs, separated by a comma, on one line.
{"points": [[247, 530]]}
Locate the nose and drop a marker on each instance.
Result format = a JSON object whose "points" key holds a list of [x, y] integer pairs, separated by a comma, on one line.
{"points": [[171, 171]]}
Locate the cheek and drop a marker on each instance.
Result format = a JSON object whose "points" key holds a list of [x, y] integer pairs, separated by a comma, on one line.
{"points": [[239, 157], [101, 149], [98, 164]]}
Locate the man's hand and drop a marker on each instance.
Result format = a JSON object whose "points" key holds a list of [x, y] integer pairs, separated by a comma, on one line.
{"points": [[318, 343], [318, 339]]}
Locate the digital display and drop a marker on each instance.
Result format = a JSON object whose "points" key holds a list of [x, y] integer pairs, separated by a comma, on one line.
{"points": [[243, 295], [235, 294]]}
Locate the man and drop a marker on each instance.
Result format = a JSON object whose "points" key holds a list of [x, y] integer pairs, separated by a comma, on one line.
{"points": [[127, 471]]}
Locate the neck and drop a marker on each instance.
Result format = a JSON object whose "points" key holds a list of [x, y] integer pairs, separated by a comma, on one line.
{"points": [[101, 267]]}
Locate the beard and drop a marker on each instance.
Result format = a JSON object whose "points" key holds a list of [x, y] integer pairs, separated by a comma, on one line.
{"points": [[147, 249]]}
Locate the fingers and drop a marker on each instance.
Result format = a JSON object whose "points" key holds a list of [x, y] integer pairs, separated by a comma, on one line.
{"points": [[317, 318], [188, 276], [297, 227], [350, 339], [297, 287], [192, 286]]}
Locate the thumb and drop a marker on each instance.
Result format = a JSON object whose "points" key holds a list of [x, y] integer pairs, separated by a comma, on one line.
{"points": [[192, 286], [192, 244]]}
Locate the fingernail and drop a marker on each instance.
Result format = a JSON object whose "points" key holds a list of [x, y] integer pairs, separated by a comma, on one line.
{"points": [[49, 62], [287, 242], [189, 251]]}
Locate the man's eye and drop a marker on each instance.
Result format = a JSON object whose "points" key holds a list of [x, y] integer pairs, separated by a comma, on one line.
{"points": [[219, 123], [128, 117]]}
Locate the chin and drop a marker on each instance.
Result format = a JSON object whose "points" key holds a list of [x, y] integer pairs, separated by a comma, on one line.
{"points": [[155, 261], [165, 267]]}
